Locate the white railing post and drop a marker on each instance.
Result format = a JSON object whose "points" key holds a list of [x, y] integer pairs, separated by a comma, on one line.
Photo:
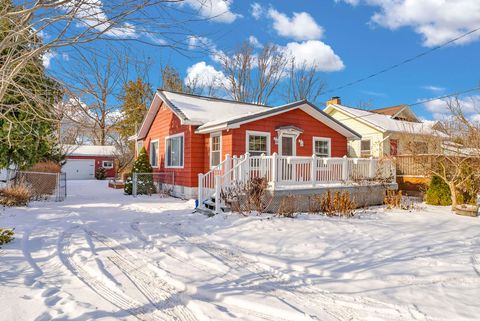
{"points": [[200, 190], [345, 168], [313, 170], [226, 170], [371, 168], [247, 167], [234, 163], [274, 170], [218, 191]]}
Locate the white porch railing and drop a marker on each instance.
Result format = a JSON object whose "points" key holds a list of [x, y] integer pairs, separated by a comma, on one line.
{"points": [[291, 172]]}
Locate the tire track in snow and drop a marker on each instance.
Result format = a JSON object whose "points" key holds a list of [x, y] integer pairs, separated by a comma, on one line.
{"points": [[112, 294], [159, 293], [337, 306]]}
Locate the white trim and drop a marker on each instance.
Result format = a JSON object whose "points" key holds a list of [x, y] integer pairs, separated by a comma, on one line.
{"points": [[294, 143], [150, 152], [183, 151], [109, 167], [322, 139], [217, 134], [249, 133]]}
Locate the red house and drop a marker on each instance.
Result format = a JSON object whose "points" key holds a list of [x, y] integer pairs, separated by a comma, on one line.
{"points": [[189, 134]]}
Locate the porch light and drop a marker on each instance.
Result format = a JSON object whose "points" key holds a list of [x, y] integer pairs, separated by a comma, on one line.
{"points": [[275, 139], [300, 142]]}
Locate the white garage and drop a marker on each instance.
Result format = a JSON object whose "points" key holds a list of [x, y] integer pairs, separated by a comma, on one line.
{"points": [[79, 168]]}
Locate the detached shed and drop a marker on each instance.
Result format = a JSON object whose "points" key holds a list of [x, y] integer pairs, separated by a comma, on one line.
{"points": [[83, 160]]}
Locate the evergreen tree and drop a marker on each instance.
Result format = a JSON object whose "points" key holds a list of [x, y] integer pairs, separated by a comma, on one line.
{"points": [[145, 183], [27, 137], [135, 101]]}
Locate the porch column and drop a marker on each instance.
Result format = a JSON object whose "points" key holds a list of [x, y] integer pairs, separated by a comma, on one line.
{"points": [[313, 170], [218, 191], [371, 168], [274, 170], [345, 168]]}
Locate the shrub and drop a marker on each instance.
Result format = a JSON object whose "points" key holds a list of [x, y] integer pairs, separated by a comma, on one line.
{"points": [[47, 167], [247, 197], [18, 194], [101, 173], [438, 192], [145, 183], [6, 236], [392, 199], [339, 205], [288, 206]]}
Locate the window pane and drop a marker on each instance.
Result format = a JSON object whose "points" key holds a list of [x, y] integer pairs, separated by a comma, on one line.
{"points": [[175, 151], [322, 148], [257, 145], [366, 144], [154, 153]]}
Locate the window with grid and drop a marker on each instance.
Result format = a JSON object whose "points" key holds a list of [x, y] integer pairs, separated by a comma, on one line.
{"points": [[215, 150], [174, 151], [257, 144], [322, 147]]}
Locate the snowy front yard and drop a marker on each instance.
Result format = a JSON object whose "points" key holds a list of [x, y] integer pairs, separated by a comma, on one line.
{"points": [[101, 255]]}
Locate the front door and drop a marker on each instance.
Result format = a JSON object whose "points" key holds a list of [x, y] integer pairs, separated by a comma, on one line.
{"points": [[288, 145], [393, 147]]}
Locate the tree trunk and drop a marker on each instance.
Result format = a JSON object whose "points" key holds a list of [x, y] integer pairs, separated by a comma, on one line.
{"points": [[453, 193]]}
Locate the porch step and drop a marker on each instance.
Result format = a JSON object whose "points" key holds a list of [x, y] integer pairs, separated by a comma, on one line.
{"points": [[210, 205]]}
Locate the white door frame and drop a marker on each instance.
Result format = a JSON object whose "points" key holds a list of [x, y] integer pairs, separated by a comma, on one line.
{"points": [[294, 143]]}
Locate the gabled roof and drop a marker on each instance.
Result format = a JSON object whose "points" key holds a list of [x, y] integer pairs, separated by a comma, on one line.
{"points": [[212, 114], [382, 122], [89, 150], [397, 111]]}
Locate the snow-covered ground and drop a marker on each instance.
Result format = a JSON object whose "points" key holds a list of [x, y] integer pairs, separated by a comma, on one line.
{"points": [[101, 255]]}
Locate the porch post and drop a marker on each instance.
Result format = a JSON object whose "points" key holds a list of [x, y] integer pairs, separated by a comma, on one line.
{"points": [[218, 191], [226, 170], [200, 190], [234, 164], [371, 168], [313, 170], [274, 170], [247, 167], [345, 169]]}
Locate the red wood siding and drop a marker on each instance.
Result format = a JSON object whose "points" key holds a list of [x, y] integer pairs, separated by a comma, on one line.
{"points": [[298, 118], [98, 163], [165, 124]]}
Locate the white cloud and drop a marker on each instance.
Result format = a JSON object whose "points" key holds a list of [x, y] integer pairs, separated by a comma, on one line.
{"points": [[47, 58], [439, 108], [301, 26], [198, 42], [436, 20], [256, 10], [435, 89], [204, 75], [216, 10], [254, 42], [314, 53]]}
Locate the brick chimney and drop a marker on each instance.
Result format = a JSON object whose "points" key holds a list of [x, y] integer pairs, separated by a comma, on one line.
{"points": [[334, 101]]}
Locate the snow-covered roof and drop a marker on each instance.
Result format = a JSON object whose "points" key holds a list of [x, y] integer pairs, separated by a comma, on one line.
{"points": [[89, 150], [384, 123], [217, 114]]}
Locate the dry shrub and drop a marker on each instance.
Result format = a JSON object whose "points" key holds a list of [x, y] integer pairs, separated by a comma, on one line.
{"points": [[394, 199], [18, 194], [247, 197], [314, 204], [337, 204], [288, 206], [47, 167]]}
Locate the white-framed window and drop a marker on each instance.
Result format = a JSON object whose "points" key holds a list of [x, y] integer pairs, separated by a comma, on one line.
{"points": [[322, 146], [366, 147], [258, 143], [154, 153], [107, 164], [215, 149], [174, 148]]}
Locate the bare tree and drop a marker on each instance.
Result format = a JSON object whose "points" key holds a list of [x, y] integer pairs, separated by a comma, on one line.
{"points": [[303, 82], [252, 77], [48, 26], [454, 152]]}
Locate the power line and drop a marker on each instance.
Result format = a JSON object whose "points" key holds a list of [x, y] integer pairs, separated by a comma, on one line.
{"points": [[408, 60], [445, 96]]}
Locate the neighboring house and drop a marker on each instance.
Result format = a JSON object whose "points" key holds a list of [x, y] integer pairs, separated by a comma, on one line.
{"points": [[81, 161], [189, 134], [386, 131]]}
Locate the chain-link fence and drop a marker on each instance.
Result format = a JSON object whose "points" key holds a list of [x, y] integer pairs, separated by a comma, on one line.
{"points": [[43, 186], [154, 183]]}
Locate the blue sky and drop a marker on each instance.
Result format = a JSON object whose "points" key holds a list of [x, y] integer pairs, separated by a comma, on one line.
{"points": [[347, 39]]}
